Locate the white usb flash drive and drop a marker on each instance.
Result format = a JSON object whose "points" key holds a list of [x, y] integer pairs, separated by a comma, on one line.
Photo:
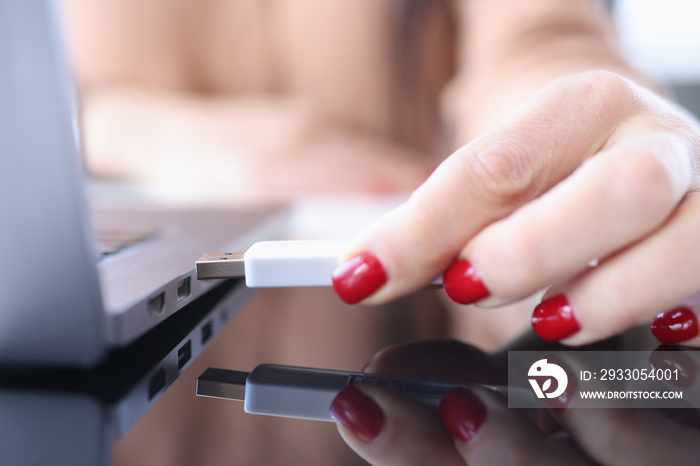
{"points": [[305, 393], [269, 264], [277, 264]]}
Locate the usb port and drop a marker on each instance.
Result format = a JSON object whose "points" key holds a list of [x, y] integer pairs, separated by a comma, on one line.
{"points": [[156, 305], [184, 289], [207, 331], [184, 354], [157, 383]]}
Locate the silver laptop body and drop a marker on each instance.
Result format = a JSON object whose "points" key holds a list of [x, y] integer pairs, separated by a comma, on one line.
{"points": [[60, 304]]}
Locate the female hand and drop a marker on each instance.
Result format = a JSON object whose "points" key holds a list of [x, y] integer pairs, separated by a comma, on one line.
{"points": [[592, 169], [476, 427]]}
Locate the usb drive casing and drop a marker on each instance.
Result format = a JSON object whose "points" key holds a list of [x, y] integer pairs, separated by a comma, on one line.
{"points": [[306, 393], [278, 264]]}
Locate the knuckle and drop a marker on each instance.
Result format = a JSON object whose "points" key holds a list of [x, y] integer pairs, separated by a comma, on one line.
{"points": [[509, 166], [605, 87], [606, 83], [606, 96], [522, 266], [504, 173], [644, 178]]}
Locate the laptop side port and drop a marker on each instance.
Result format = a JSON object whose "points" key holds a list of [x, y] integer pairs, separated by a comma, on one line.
{"points": [[184, 289], [156, 383], [156, 305], [184, 354], [207, 332]]}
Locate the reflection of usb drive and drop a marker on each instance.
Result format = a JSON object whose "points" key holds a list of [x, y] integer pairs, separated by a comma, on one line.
{"points": [[276, 264], [304, 393]]}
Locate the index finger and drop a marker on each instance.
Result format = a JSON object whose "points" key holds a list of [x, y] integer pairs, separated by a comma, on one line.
{"points": [[542, 143]]}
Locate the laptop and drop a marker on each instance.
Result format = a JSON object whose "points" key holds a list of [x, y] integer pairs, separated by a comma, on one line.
{"points": [[63, 300], [58, 415]]}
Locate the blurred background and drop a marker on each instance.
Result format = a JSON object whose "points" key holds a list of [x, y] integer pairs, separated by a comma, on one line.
{"points": [[663, 39]]}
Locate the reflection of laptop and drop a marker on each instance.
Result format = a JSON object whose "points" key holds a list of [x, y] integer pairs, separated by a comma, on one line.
{"points": [[58, 305], [58, 415]]}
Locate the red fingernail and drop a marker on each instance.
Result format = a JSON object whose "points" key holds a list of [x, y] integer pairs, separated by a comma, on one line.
{"points": [[358, 277], [554, 320], [674, 326], [358, 413], [463, 284], [365, 367], [462, 413]]}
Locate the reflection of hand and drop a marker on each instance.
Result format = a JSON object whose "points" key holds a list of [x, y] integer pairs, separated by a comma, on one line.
{"points": [[684, 366], [385, 427], [593, 167]]}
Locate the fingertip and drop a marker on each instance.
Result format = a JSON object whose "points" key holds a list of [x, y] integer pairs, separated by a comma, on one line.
{"points": [[358, 277], [358, 413], [463, 413], [675, 326], [553, 319], [463, 283]]}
